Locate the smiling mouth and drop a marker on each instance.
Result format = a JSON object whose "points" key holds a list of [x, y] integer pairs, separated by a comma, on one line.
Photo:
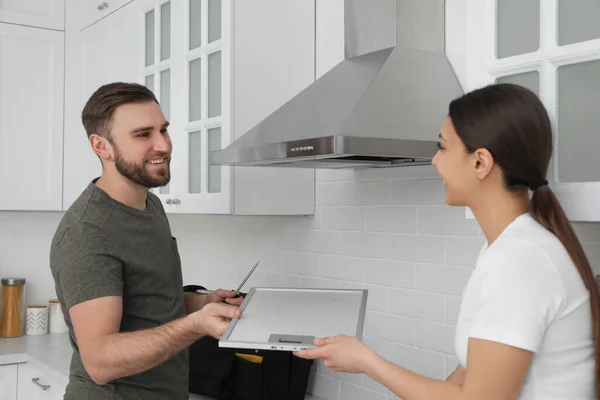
{"points": [[158, 161]]}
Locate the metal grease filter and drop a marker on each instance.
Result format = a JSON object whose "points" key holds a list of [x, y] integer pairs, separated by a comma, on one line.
{"points": [[317, 313]]}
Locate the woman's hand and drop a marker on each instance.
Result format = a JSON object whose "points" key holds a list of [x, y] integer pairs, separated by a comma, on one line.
{"points": [[342, 354]]}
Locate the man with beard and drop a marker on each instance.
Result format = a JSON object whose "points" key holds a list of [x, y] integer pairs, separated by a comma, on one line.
{"points": [[116, 266]]}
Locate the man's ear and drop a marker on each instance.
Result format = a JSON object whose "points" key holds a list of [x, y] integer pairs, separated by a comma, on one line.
{"points": [[483, 162], [101, 146]]}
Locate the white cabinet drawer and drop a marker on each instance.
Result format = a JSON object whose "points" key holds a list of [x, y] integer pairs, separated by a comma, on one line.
{"points": [[86, 12], [48, 14], [8, 382], [35, 385]]}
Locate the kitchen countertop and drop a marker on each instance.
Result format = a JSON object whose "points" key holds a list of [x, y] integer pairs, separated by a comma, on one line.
{"points": [[51, 354]]}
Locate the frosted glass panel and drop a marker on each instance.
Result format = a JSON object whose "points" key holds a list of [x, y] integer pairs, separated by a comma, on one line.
{"points": [[214, 171], [164, 189], [195, 89], [578, 21], [165, 31], [195, 162], [517, 27], [214, 84], [530, 80], [214, 20], [578, 122], [195, 24], [150, 37], [149, 82], [165, 92]]}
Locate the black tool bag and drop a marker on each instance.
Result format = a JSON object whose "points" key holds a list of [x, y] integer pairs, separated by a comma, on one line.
{"points": [[242, 374]]}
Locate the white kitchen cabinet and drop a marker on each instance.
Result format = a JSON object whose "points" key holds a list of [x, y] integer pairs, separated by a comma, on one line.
{"points": [[105, 52], [216, 72], [553, 48], [90, 11], [33, 384], [31, 117], [48, 14], [8, 382]]}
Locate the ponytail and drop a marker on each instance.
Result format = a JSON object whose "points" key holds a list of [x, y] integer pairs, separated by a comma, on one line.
{"points": [[546, 210]]}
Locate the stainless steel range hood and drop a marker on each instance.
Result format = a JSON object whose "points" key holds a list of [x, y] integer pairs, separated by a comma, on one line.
{"points": [[382, 106]]}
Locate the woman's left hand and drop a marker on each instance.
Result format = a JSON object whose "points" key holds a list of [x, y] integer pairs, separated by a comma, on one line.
{"points": [[341, 354]]}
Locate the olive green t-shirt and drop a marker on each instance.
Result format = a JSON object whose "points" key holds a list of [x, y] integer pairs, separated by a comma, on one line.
{"points": [[105, 248]]}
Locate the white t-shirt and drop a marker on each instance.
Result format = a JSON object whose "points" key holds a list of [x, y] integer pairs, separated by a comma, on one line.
{"points": [[526, 292]]}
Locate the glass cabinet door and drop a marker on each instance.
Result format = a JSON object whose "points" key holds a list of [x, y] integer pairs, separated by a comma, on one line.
{"points": [[207, 116], [157, 61], [552, 48]]}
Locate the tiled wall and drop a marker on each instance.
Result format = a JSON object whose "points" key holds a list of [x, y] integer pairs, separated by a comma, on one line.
{"points": [[388, 231]]}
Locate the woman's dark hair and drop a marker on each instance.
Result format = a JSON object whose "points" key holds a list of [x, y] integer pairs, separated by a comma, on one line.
{"points": [[511, 122]]}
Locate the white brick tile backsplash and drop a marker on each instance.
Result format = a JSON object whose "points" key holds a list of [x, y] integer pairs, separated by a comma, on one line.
{"points": [[379, 346], [378, 387], [452, 309], [325, 387], [464, 250], [391, 273], [418, 192], [420, 248], [368, 193], [446, 221], [451, 364], [392, 219], [442, 278], [319, 283], [425, 362], [433, 336], [342, 376], [393, 328], [426, 306], [330, 194], [301, 263], [353, 392], [385, 173], [334, 175], [374, 245], [378, 297], [344, 218], [343, 268]]}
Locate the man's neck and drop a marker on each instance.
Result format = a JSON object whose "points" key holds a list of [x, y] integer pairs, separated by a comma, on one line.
{"points": [[123, 190]]}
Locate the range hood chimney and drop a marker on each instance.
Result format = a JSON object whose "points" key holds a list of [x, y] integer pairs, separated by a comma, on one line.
{"points": [[382, 106]]}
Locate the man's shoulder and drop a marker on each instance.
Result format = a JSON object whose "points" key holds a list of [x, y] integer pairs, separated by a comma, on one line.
{"points": [[155, 201]]}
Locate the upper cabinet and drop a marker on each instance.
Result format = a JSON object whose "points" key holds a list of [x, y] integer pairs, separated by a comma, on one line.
{"points": [[91, 11], [553, 48], [106, 51], [49, 14], [216, 70], [31, 117]]}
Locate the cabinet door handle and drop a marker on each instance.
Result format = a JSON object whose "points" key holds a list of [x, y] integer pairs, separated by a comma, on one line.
{"points": [[102, 6], [37, 382], [176, 201], [169, 201]]}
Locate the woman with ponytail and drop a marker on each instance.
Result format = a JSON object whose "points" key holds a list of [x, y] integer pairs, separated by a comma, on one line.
{"points": [[529, 322]]}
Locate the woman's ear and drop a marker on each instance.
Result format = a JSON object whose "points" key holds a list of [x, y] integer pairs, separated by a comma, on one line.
{"points": [[483, 162]]}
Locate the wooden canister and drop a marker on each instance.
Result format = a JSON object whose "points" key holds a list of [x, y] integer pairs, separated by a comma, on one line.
{"points": [[13, 293]]}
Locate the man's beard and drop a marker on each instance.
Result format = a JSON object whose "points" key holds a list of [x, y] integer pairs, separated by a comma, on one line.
{"points": [[137, 173]]}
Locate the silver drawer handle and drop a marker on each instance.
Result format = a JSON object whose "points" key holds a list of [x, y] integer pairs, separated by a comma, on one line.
{"points": [[37, 382], [102, 6]]}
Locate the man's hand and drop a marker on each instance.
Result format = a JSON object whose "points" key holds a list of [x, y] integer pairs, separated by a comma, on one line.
{"points": [[224, 296], [214, 318]]}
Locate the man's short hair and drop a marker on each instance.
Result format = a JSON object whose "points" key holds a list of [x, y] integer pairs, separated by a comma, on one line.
{"points": [[100, 107]]}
